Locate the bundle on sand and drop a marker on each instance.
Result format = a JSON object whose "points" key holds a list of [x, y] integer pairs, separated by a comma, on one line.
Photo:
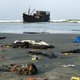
{"points": [[31, 44], [29, 69]]}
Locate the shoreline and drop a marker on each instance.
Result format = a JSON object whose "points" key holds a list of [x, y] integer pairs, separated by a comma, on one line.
{"points": [[49, 32]]}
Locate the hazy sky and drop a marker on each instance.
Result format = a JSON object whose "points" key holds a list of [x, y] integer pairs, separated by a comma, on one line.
{"points": [[59, 9]]}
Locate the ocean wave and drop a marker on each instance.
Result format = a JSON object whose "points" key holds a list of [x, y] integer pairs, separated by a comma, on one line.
{"points": [[15, 32], [12, 21], [66, 20], [63, 31], [55, 21]]}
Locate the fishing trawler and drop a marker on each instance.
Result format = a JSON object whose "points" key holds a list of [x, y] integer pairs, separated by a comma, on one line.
{"points": [[37, 16]]}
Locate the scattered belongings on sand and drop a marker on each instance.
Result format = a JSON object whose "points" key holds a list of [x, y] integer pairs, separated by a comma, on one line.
{"points": [[75, 78], [72, 51], [39, 44], [29, 69], [4, 46], [35, 79], [66, 54], [2, 37], [35, 57], [37, 53], [68, 65]]}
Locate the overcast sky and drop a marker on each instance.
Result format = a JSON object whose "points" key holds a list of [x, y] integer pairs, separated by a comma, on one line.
{"points": [[59, 9]]}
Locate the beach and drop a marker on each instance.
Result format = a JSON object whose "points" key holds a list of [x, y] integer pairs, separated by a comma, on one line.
{"points": [[52, 69]]}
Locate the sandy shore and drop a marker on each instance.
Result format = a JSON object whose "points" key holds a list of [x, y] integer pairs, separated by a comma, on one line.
{"points": [[48, 68]]}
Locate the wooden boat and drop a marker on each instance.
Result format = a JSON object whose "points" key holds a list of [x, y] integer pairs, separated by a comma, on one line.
{"points": [[38, 16]]}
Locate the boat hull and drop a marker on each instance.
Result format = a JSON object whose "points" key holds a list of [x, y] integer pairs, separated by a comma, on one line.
{"points": [[31, 18]]}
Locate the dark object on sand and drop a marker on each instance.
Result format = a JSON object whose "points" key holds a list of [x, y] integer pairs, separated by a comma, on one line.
{"points": [[31, 32], [21, 45], [36, 44], [10, 67], [72, 51], [38, 16], [35, 32], [5, 68], [2, 37], [33, 52]]}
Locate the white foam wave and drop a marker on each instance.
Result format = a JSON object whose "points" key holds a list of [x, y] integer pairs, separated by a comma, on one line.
{"points": [[13, 21], [55, 21], [15, 32], [63, 31], [65, 20]]}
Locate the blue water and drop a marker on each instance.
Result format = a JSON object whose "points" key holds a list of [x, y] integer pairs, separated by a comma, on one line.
{"points": [[19, 27]]}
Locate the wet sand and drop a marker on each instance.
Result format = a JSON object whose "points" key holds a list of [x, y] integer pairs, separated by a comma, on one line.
{"points": [[48, 68]]}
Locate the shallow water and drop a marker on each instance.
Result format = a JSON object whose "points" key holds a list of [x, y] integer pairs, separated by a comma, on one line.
{"points": [[50, 27]]}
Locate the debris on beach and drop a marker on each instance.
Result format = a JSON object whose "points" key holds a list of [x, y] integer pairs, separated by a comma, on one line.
{"points": [[4, 46], [29, 69], [14, 79], [40, 53], [39, 44], [75, 78], [35, 57], [66, 54], [68, 65], [35, 79]]}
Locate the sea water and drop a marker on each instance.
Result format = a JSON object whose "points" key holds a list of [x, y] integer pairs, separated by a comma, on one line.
{"points": [[48, 27]]}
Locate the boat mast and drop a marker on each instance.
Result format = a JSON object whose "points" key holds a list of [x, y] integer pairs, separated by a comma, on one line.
{"points": [[29, 11], [32, 11]]}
